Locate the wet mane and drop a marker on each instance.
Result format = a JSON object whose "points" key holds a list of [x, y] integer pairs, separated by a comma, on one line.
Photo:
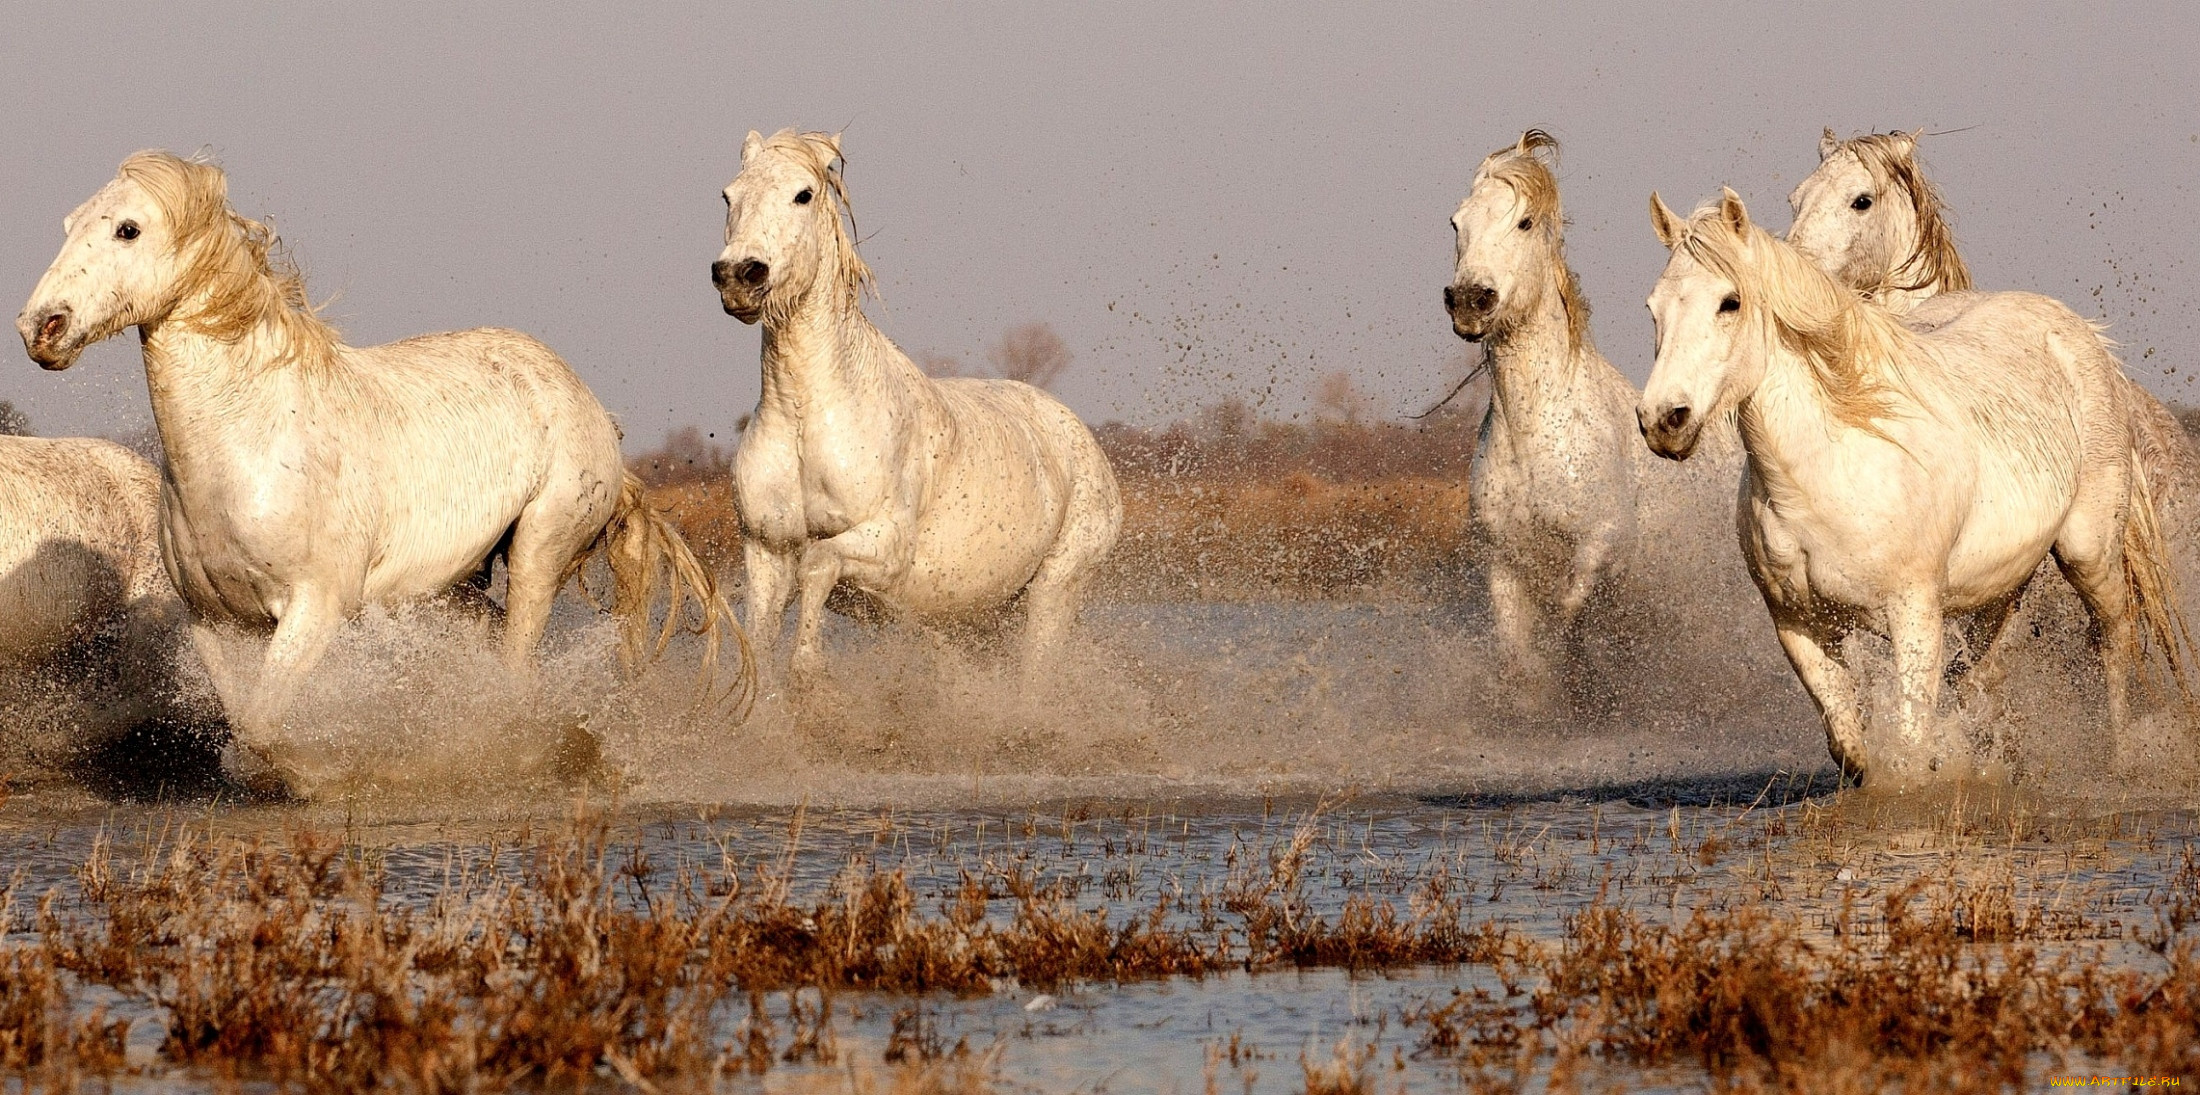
{"points": [[1520, 166], [1853, 347], [820, 153], [1892, 160], [236, 268]]}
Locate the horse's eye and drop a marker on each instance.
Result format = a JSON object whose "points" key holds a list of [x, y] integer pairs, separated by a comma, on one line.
{"points": [[127, 230], [803, 198], [1732, 303], [1527, 223], [1862, 202]]}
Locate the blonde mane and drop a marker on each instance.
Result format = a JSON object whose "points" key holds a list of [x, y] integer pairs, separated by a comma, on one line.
{"points": [[1853, 347], [1892, 160], [1520, 166], [820, 153], [236, 269]]}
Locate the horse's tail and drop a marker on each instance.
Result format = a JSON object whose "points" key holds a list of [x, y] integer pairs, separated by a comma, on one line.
{"points": [[2150, 579], [640, 543]]}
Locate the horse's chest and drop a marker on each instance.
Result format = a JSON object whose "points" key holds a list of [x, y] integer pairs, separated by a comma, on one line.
{"points": [[1531, 489], [236, 549], [810, 484]]}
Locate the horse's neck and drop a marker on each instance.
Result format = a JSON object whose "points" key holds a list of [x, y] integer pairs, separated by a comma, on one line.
{"points": [[829, 355], [1786, 425], [211, 395], [1535, 366]]}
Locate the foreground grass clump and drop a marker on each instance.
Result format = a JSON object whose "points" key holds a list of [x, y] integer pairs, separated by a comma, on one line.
{"points": [[1907, 1000]]}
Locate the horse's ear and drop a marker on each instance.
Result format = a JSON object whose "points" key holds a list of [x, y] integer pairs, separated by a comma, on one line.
{"points": [[1666, 223], [750, 146], [1732, 209], [1828, 144], [1908, 141], [836, 161]]}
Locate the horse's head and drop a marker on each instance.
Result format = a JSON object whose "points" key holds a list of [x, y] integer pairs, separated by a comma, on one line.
{"points": [[1711, 348], [1869, 218], [125, 256], [1509, 244], [784, 233]]}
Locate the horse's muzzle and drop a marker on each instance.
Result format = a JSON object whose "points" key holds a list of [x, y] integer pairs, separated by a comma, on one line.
{"points": [[1671, 432], [1471, 308], [49, 339], [741, 287]]}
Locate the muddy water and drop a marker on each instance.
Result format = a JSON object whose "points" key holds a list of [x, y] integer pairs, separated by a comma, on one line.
{"points": [[1180, 740]]}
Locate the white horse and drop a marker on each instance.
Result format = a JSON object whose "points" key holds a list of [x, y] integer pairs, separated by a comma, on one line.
{"points": [[79, 544], [81, 580], [1555, 484], [1868, 216], [307, 479], [1897, 477], [941, 501]]}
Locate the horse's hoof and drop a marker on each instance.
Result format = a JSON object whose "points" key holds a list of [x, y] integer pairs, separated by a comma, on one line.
{"points": [[260, 776]]}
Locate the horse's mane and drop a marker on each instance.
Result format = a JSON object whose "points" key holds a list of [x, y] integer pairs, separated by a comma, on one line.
{"points": [[1892, 160], [1520, 166], [1854, 347], [820, 153], [237, 267]]}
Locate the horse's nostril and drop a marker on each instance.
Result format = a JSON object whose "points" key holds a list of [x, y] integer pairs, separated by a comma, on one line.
{"points": [[719, 271], [1481, 298], [1451, 298], [1674, 419], [751, 272], [53, 326]]}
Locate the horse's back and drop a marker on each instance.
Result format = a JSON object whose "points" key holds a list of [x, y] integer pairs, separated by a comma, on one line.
{"points": [[464, 431], [78, 540]]}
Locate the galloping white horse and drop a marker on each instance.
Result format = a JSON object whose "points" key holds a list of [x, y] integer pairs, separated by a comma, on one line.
{"points": [[937, 500], [1869, 217], [1897, 476], [307, 478], [1555, 486], [79, 545]]}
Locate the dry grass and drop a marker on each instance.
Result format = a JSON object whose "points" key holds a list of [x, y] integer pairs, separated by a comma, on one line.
{"points": [[297, 963], [1295, 535], [1905, 1001], [570, 959]]}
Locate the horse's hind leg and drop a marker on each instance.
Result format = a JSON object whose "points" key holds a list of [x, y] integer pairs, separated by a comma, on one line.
{"points": [[1812, 651], [1984, 668], [2098, 576], [544, 542]]}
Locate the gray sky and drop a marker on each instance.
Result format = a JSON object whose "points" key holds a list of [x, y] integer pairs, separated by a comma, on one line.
{"points": [[1202, 199]]}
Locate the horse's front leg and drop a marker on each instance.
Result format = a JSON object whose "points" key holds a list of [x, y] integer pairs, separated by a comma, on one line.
{"points": [[872, 555], [1812, 648], [1917, 630], [1514, 610], [1593, 557], [258, 755], [768, 578]]}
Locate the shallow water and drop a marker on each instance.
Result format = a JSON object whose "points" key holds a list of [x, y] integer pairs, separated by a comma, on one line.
{"points": [[1178, 742]]}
